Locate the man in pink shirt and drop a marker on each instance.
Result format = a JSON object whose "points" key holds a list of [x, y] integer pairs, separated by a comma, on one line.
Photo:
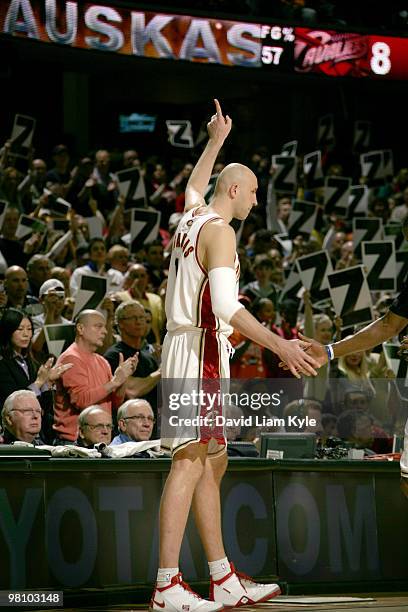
{"points": [[89, 381]]}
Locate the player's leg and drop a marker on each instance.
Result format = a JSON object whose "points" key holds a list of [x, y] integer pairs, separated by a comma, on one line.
{"points": [[207, 506], [228, 587], [171, 591], [186, 470]]}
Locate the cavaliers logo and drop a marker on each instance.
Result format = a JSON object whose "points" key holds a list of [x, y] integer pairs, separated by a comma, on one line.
{"points": [[333, 53]]}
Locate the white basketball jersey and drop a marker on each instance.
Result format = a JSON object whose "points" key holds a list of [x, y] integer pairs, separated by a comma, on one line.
{"points": [[188, 297]]}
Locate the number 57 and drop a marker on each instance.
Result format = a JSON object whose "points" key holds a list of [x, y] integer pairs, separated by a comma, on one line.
{"points": [[271, 55]]}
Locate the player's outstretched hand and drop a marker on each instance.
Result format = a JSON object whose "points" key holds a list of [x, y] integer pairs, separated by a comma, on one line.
{"points": [[219, 126], [296, 358], [316, 350], [313, 349]]}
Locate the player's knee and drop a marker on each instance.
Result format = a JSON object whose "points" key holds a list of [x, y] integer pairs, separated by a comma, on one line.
{"points": [[218, 466], [190, 461], [190, 470]]}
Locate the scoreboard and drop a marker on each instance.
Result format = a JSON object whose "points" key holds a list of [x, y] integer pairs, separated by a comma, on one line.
{"points": [[272, 47]]}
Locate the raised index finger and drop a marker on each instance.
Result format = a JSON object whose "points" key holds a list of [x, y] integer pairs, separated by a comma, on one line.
{"points": [[217, 108]]}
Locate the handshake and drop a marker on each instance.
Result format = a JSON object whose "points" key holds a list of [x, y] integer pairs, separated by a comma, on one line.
{"points": [[293, 357]]}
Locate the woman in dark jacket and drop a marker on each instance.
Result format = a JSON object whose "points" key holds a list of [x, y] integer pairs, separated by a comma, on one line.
{"points": [[18, 369]]}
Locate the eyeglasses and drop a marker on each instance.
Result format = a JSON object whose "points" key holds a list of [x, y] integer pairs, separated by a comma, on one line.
{"points": [[133, 318], [140, 418], [99, 426], [27, 411]]}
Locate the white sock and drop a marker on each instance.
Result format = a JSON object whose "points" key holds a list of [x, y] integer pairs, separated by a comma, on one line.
{"points": [[165, 574], [219, 569]]}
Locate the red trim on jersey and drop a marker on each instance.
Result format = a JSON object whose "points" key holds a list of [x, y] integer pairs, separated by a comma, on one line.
{"points": [[207, 318], [196, 244], [211, 385]]}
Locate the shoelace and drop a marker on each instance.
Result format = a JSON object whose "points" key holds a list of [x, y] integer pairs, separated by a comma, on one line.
{"points": [[241, 575], [187, 587]]}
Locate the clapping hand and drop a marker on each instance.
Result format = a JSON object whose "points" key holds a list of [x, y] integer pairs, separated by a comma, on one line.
{"points": [[125, 369], [48, 373]]}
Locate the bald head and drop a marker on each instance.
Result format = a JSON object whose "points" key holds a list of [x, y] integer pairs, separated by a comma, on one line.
{"points": [[14, 270], [16, 285], [235, 190], [90, 330], [233, 174], [85, 315]]}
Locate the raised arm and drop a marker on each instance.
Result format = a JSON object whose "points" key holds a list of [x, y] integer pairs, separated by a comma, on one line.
{"points": [[218, 129]]}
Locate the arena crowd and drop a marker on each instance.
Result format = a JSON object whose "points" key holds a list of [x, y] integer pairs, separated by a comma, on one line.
{"points": [[103, 387]]}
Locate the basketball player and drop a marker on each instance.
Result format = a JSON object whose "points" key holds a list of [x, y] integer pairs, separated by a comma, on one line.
{"points": [[202, 306]]}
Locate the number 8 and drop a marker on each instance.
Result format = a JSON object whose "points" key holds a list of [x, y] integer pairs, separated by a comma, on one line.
{"points": [[380, 62]]}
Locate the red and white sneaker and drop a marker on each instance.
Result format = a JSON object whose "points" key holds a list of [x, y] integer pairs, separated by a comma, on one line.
{"points": [[237, 589], [179, 597]]}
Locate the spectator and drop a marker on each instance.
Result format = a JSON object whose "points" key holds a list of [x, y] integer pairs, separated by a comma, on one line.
{"points": [[400, 212], [356, 399], [90, 380], [246, 275], [162, 194], [264, 311], [154, 263], [347, 258], [135, 421], [10, 247], [16, 288], [130, 319], [318, 326], [52, 296], [9, 181], [329, 425], [32, 186], [263, 286], [247, 360], [153, 349], [96, 267], [62, 275], [308, 415], [135, 283], [339, 239], [105, 183], [59, 174], [118, 258], [260, 242], [80, 188], [94, 426], [68, 310], [287, 329], [18, 369], [38, 270], [352, 371], [357, 427], [284, 210], [21, 418], [131, 159]]}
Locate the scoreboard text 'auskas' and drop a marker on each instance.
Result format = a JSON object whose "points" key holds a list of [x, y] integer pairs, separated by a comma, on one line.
{"points": [[276, 48]]}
